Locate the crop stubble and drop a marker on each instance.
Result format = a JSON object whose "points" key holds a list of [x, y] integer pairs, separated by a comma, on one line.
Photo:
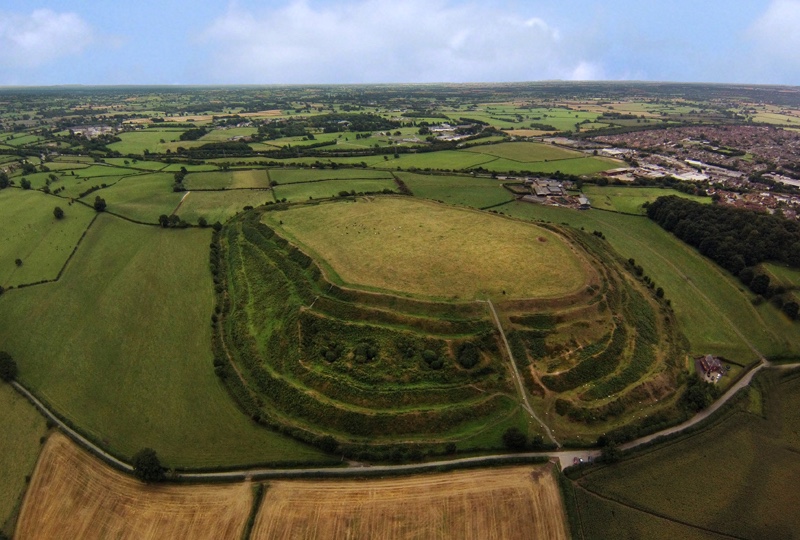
{"points": [[72, 495], [518, 502]]}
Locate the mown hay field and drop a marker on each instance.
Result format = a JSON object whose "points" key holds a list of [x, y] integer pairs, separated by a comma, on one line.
{"points": [[73, 495], [428, 249], [22, 427], [32, 234], [120, 346], [256, 178], [518, 502]]}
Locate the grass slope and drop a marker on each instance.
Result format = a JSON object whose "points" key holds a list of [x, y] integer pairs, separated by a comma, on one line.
{"points": [[715, 313], [31, 233], [629, 200], [22, 428], [121, 346]]}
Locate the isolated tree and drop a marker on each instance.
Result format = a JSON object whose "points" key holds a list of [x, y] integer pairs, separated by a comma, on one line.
{"points": [[791, 309], [25, 183], [8, 367], [4, 183], [147, 467], [514, 439], [99, 204], [163, 220], [18, 262], [201, 221], [58, 212]]}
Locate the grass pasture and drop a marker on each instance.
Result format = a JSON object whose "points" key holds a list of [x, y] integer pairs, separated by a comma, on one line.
{"points": [[256, 178], [747, 462], [73, 495], [142, 198], [629, 200], [519, 502], [297, 176], [136, 142], [458, 190], [32, 234], [152, 384], [220, 205], [19, 447], [331, 188], [429, 249], [526, 152]]}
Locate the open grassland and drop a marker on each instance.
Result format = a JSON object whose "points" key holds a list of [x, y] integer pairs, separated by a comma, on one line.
{"points": [[73, 495], [715, 313], [31, 233], [120, 345], [577, 166], [444, 160], [219, 135], [99, 171], [296, 176], [744, 468], [526, 152], [459, 190], [629, 200], [428, 249], [19, 447], [783, 275], [142, 198], [136, 142], [256, 178], [602, 519], [331, 188], [220, 205], [520, 502]]}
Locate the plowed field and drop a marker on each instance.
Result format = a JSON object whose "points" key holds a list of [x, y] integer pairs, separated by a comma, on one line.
{"points": [[73, 495], [519, 502]]}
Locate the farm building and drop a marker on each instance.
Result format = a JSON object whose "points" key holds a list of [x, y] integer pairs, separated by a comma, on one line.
{"points": [[711, 367]]}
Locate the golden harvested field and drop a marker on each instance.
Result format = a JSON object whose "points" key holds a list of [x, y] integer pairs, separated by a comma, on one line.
{"points": [[518, 502], [429, 249], [73, 495]]}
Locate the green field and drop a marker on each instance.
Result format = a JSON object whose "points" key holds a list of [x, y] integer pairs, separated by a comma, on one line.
{"points": [[31, 233], [459, 190], [220, 205], [296, 176], [331, 188], [256, 178], [576, 166], [527, 152], [143, 198], [136, 142], [434, 250], [22, 428], [629, 200], [445, 160], [711, 305], [744, 468], [121, 346]]}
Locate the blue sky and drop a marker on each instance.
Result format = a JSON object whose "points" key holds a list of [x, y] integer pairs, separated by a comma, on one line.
{"points": [[375, 41]]}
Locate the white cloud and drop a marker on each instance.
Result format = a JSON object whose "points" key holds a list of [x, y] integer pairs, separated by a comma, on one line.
{"points": [[38, 38], [389, 41], [776, 38]]}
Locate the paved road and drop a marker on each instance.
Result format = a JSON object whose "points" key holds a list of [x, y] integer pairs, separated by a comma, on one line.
{"points": [[565, 457]]}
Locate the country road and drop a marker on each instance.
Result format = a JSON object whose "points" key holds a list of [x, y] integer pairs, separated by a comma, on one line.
{"points": [[565, 457]]}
